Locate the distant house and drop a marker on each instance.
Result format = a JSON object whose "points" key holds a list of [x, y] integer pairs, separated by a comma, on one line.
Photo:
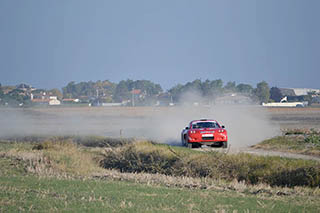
{"points": [[70, 100], [298, 91], [7, 89], [164, 99], [111, 104], [316, 100], [305, 91], [136, 91], [40, 101], [98, 102], [234, 98], [299, 94], [25, 87], [40, 95], [51, 100], [287, 92]]}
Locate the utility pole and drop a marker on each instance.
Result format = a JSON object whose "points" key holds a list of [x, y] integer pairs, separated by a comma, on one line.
{"points": [[132, 92]]}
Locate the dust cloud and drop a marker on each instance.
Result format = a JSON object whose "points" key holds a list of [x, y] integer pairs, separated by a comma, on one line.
{"points": [[246, 125]]}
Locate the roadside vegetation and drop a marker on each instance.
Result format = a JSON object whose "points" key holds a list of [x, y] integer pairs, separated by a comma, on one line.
{"points": [[177, 161], [70, 174], [300, 141], [144, 93]]}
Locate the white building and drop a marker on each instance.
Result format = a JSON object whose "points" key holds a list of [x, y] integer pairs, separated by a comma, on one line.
{"points": [[53, 100], [305, 91]]}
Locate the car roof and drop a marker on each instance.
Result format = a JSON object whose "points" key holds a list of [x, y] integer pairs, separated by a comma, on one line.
{"points": [[203, 120]]}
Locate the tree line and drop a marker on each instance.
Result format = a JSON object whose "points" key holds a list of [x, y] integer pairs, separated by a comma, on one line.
{"points": [[113, 92], [147, 92], [107, 91]]}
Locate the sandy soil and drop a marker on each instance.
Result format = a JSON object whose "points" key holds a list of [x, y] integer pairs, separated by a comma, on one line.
{"points": [[296, 118], [275, 153], [246, 125]]}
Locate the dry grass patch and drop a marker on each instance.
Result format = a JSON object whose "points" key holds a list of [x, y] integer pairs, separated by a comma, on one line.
{"points": [[68, 157], [67, 160], [54, 157], [300, 141], [178, 161]]}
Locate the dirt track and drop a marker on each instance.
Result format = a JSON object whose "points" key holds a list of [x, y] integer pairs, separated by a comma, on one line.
{"points": [[162, 124], [275, 153], [261, 152], [289, 118], [295, 117]]}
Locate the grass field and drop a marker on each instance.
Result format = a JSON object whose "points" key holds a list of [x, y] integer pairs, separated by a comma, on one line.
{"points": [[29, 193], [61, 175], [97, 173], [301, 141]]}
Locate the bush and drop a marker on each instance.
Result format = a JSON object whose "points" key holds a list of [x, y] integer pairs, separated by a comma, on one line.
{"points": [[100, 141], [314, 139], [89, 141], [303, 176], [152, 158], [129, 159]]}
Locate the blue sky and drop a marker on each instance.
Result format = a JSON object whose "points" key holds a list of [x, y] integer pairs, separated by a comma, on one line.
{"points": [[49, 43]]}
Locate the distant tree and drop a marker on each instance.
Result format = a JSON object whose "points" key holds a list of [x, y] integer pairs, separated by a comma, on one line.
{"points": [[68, 90], [148, 87], [148, 90], [207, 88], [230, 86], [262, 92], [56, 92], [244, 88], [89, 89], [122, 91], [275, 94], [108, 89], [175, 92], [194, 86], [216, 84], [1, 91], [216, 87], [17, 95], [308, 98]]}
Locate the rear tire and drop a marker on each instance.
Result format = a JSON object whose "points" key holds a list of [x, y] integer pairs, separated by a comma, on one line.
{"points": [[197, 145], [194, 145], [185, 141]]}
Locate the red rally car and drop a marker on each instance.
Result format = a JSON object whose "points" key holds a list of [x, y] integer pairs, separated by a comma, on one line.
{"points": [[204, 132]]}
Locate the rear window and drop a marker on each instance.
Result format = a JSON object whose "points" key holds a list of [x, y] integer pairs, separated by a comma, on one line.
{"points": [[200, 125]]}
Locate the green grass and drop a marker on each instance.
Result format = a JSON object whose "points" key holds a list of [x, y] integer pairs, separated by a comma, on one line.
{"points": [[63, 176], [68, 158], [308, 144], [29, 193]]}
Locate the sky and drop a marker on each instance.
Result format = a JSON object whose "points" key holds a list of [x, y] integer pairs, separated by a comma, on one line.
{"points": [[48, 43]]}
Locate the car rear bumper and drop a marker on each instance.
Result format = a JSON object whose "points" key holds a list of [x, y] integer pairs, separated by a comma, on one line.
{"points": [[209, 143], [206, 140]]}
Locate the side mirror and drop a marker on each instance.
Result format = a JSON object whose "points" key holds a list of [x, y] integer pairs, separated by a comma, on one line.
{"points": [[222, 127], [187, 127]]}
